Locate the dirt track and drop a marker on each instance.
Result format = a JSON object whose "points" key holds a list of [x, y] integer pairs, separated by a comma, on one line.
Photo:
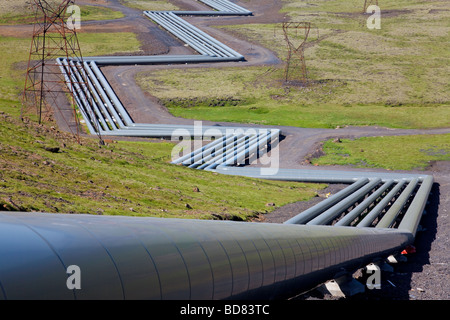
{"points": [[425, 276]]}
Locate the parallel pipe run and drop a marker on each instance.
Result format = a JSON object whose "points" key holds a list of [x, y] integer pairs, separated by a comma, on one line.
{"points": [[122, 115], [99, 99], [252, 150], [79, 95], [375, 212], [104, 99], [332, 207], [153, 258], [327, 216], [229, 153], [352, 215], [232, 149], [109, 108], [218, 152], [194, 37], [118, 60], [212, 13], [103, 115], [252, 147], [98, 121], [177, 30], [98, 102], [223, 7], [198, 154], [389, 217], [313, 212]]}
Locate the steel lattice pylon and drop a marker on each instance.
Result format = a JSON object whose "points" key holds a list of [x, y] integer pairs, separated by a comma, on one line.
{"points": [[295, 69], [47, 89]]}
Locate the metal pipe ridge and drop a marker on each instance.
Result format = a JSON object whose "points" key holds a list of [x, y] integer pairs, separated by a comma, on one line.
{"points": [[387, 209], [101, 100], [117, 114]]}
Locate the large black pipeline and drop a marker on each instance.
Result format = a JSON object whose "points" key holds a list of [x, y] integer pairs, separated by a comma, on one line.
{"points": [[152, 258]]}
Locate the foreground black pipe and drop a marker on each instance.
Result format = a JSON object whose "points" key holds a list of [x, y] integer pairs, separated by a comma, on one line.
{"points": [[152, 258]]}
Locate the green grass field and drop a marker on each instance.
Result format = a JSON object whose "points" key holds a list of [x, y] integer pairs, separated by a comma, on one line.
{"points": [[395, 77], [254, 95], [394, 153]]}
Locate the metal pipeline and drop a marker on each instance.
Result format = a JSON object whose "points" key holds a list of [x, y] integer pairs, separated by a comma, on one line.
{"points": [[390, 216], [214, 151], [118, 60], [313, 212], [225, 7], [387, 210], [177, 30], [330, 214], [375, 212], [121, 113], [194, 37], [152, 258], [412, 216], [197, 154]]}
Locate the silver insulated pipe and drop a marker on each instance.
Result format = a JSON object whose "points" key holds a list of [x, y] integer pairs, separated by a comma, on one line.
{"points": [[152, 258]]}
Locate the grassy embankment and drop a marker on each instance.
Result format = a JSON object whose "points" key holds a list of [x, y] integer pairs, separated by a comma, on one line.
{"points": [[124, 178]]}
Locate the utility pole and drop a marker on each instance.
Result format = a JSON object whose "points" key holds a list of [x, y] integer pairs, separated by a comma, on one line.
{"points": [[47, 89]]}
